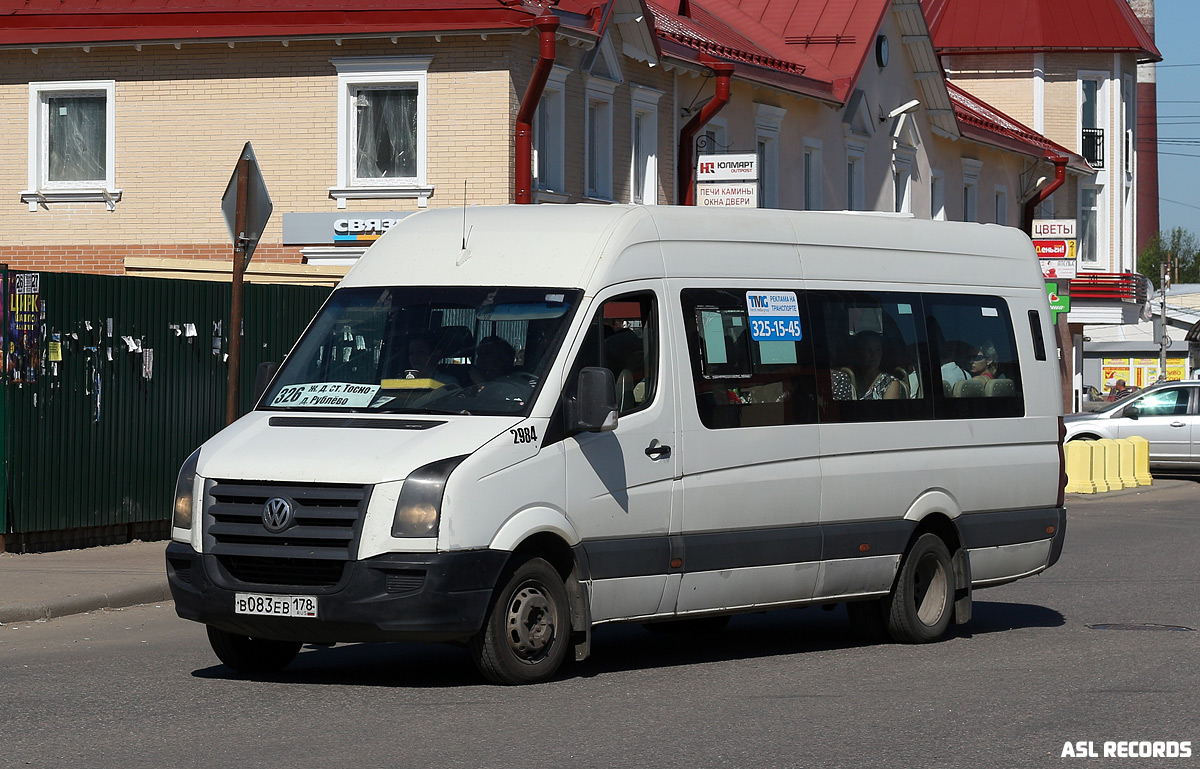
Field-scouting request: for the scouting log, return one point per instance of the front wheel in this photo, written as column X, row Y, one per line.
column 528, row 629
column 921, row 604
column 252, row 656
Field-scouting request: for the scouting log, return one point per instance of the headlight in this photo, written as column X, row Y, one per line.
column 182, row 518
column 420, row 503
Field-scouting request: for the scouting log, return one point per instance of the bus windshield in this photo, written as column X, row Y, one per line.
column 426, row 350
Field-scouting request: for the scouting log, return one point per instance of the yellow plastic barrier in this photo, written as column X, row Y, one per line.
column 1098, row 460
column 1125, row 452
column 1141, row 460
column 1112, row 464
column 1079, row 467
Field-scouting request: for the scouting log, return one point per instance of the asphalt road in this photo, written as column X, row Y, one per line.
column 140, row 688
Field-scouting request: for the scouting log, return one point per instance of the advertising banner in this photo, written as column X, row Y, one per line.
column 23, row 357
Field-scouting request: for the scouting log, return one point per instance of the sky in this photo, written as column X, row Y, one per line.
column 1176, row 24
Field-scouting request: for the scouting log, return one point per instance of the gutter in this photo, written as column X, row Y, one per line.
column 523, row 175
column 1060, row 177
column 686, row 171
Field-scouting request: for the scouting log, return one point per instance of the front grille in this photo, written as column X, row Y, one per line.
column 300, row 572
column 311, row 551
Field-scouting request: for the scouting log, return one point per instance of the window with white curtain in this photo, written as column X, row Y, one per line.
column 548, row 134
column 598, row 138
column 643, row 182
column 381, row 128
column 71, row 140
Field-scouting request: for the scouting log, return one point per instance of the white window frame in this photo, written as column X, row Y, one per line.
column 1103, row 116
column 1100, row 262
column 971, row 169
column 1001, row 204
column 598, row 182
column 644, row 147
column 856, row 175
column 41, row 190
column 768, row 120
column 813, row 175
column 357, row 72
column 549, row 144
column 937, row 196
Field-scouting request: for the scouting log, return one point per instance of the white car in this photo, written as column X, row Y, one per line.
column 1165, row 414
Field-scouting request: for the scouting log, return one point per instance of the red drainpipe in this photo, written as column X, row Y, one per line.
column 686, row 172
column 546, row 25
column 1060, row 177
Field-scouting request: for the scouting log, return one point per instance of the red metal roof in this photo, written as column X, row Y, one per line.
column 50, row 22
column 986, row 124
column 963, row 26
column 826, row 40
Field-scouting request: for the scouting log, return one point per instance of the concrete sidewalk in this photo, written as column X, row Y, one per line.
column 44, row 585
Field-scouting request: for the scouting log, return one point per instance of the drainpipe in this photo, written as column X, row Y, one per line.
column 546, row 25
column 1060, row 177
column 686, row 173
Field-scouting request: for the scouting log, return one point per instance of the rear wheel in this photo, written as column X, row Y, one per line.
column 528, row 629
column 921, row 604
column 252, row 656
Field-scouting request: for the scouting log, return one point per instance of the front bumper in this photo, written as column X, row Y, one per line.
column 392, row 597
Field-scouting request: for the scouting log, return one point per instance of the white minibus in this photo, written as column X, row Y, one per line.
column 511, row 424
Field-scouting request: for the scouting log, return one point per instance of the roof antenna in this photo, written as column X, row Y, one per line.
column 466, row 253
column 464, row 215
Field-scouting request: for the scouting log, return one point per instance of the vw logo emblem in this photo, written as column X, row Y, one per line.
column 277, row 514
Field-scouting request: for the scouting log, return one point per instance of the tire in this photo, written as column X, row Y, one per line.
column 868, row 619
column 527, row 632
column 252, row 656
column 700, row 626
column 921, row 604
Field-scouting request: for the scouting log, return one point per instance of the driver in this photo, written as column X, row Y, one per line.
column 493, row 359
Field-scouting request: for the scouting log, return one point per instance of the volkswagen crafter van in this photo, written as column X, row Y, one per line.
column 505, row 429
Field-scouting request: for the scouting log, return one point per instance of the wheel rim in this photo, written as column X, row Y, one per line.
column 930, row 588
column 530, row 622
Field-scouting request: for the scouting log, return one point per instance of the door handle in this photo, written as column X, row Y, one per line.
column 657, row 450
column 1179, row 424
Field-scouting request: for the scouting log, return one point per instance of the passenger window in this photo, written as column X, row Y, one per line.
column 976, row 356
column 751, row 366
column 871, row 356
column 623, row 337
column 1163, row 403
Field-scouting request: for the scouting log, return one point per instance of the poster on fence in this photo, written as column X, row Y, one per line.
column 23, row 357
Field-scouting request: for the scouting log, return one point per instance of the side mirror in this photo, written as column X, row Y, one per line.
column 262, row 378
column 1130, row 411
column 593, row 408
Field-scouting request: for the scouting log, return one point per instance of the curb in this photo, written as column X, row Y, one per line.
column 79, row 604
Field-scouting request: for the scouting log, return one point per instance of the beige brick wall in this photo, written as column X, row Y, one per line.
column 1004, row 81
column 183, row 115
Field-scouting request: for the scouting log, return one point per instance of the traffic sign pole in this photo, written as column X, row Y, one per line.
column 236, row 292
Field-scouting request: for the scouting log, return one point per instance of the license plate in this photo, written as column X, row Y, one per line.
column 275, row 605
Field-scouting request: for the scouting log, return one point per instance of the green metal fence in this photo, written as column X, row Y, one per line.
column 137, row 382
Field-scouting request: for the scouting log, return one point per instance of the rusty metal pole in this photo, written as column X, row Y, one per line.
column 235, row 299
